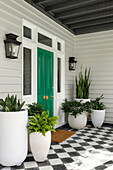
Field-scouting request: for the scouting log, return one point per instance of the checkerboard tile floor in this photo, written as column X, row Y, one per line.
column 88, row 149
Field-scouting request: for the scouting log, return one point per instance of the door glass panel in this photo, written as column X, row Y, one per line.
column 59, row 75
column 26, row 71
column 44, row 40
column 27, row 32
column 58, row 46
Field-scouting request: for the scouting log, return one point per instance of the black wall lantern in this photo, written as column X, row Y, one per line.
column 72, row 63
column 12, row 46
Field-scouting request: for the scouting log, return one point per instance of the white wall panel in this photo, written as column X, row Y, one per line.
column 11, row 14
column 95, row 50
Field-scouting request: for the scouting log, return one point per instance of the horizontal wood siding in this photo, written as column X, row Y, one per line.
column 95, row 50
column 11, row 14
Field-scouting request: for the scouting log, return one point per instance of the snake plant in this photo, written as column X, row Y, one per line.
column 82, row 84
column 11, row 104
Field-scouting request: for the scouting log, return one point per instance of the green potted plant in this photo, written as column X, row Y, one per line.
column 40, row 127
column 77, row 117
column 13, row 131
column 98, row 112
column 34, row 108
column 83, row 83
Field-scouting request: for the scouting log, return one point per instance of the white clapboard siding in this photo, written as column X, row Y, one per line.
column 7, row 88
column 10, row 80
column 3, row 95
column 95, row 50
column 11, row 14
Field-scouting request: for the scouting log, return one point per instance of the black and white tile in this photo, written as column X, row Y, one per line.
column 88, row 149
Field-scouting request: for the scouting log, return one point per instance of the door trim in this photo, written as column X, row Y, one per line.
column 35, row 44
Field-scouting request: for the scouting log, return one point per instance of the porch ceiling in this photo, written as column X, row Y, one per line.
column 78, row 16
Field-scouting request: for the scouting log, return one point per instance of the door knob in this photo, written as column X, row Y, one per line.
column 51, row 96
column 44, row 97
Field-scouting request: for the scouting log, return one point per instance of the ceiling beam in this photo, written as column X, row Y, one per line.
column 85, row 10
column 91, row 22
column 67, row 4
column 93, row 29
column 40, row 1
column 88, row 17
column 49, row 15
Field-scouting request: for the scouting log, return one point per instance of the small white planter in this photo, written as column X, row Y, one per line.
column 29, row 148
column 13, row 137
column 79, row 122
column 97, row 117
column 40, row 145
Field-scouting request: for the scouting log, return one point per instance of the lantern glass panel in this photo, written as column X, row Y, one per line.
column 72, row 66
column 12, row 50
column 8, row 50
column 15, row 50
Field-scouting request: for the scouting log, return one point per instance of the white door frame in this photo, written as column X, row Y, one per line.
column 34, row 44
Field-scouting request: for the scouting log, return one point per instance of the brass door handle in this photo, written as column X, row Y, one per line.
column 51, row 96
column 44, row 97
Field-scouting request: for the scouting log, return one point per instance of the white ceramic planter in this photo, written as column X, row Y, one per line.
column 40, row 145
column 29, row 148
column 79, row 122
column 13, row 137
column 97, row 117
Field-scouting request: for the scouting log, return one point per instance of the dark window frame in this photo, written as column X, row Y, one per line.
column 27, row 36
column 59, row 46
column 42, row 38
column 59, row 72
column 26, row 93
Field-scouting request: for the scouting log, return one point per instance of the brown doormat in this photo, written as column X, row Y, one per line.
column 61, row 135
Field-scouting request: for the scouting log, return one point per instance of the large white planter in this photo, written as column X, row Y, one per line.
column 13, row 137
column 97, row 117
column 79, row 122
column 40, row 145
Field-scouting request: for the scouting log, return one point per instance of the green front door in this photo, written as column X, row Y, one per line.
column 45, row 79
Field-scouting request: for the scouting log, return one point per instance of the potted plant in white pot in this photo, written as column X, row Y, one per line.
column 98, row 112
column 83, row 83
column 13, row 132
column 77, row 117
column 33, row 108
column 40, row 127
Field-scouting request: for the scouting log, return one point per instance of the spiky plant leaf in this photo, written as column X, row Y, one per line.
column 83, row 84
column 11, row 104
